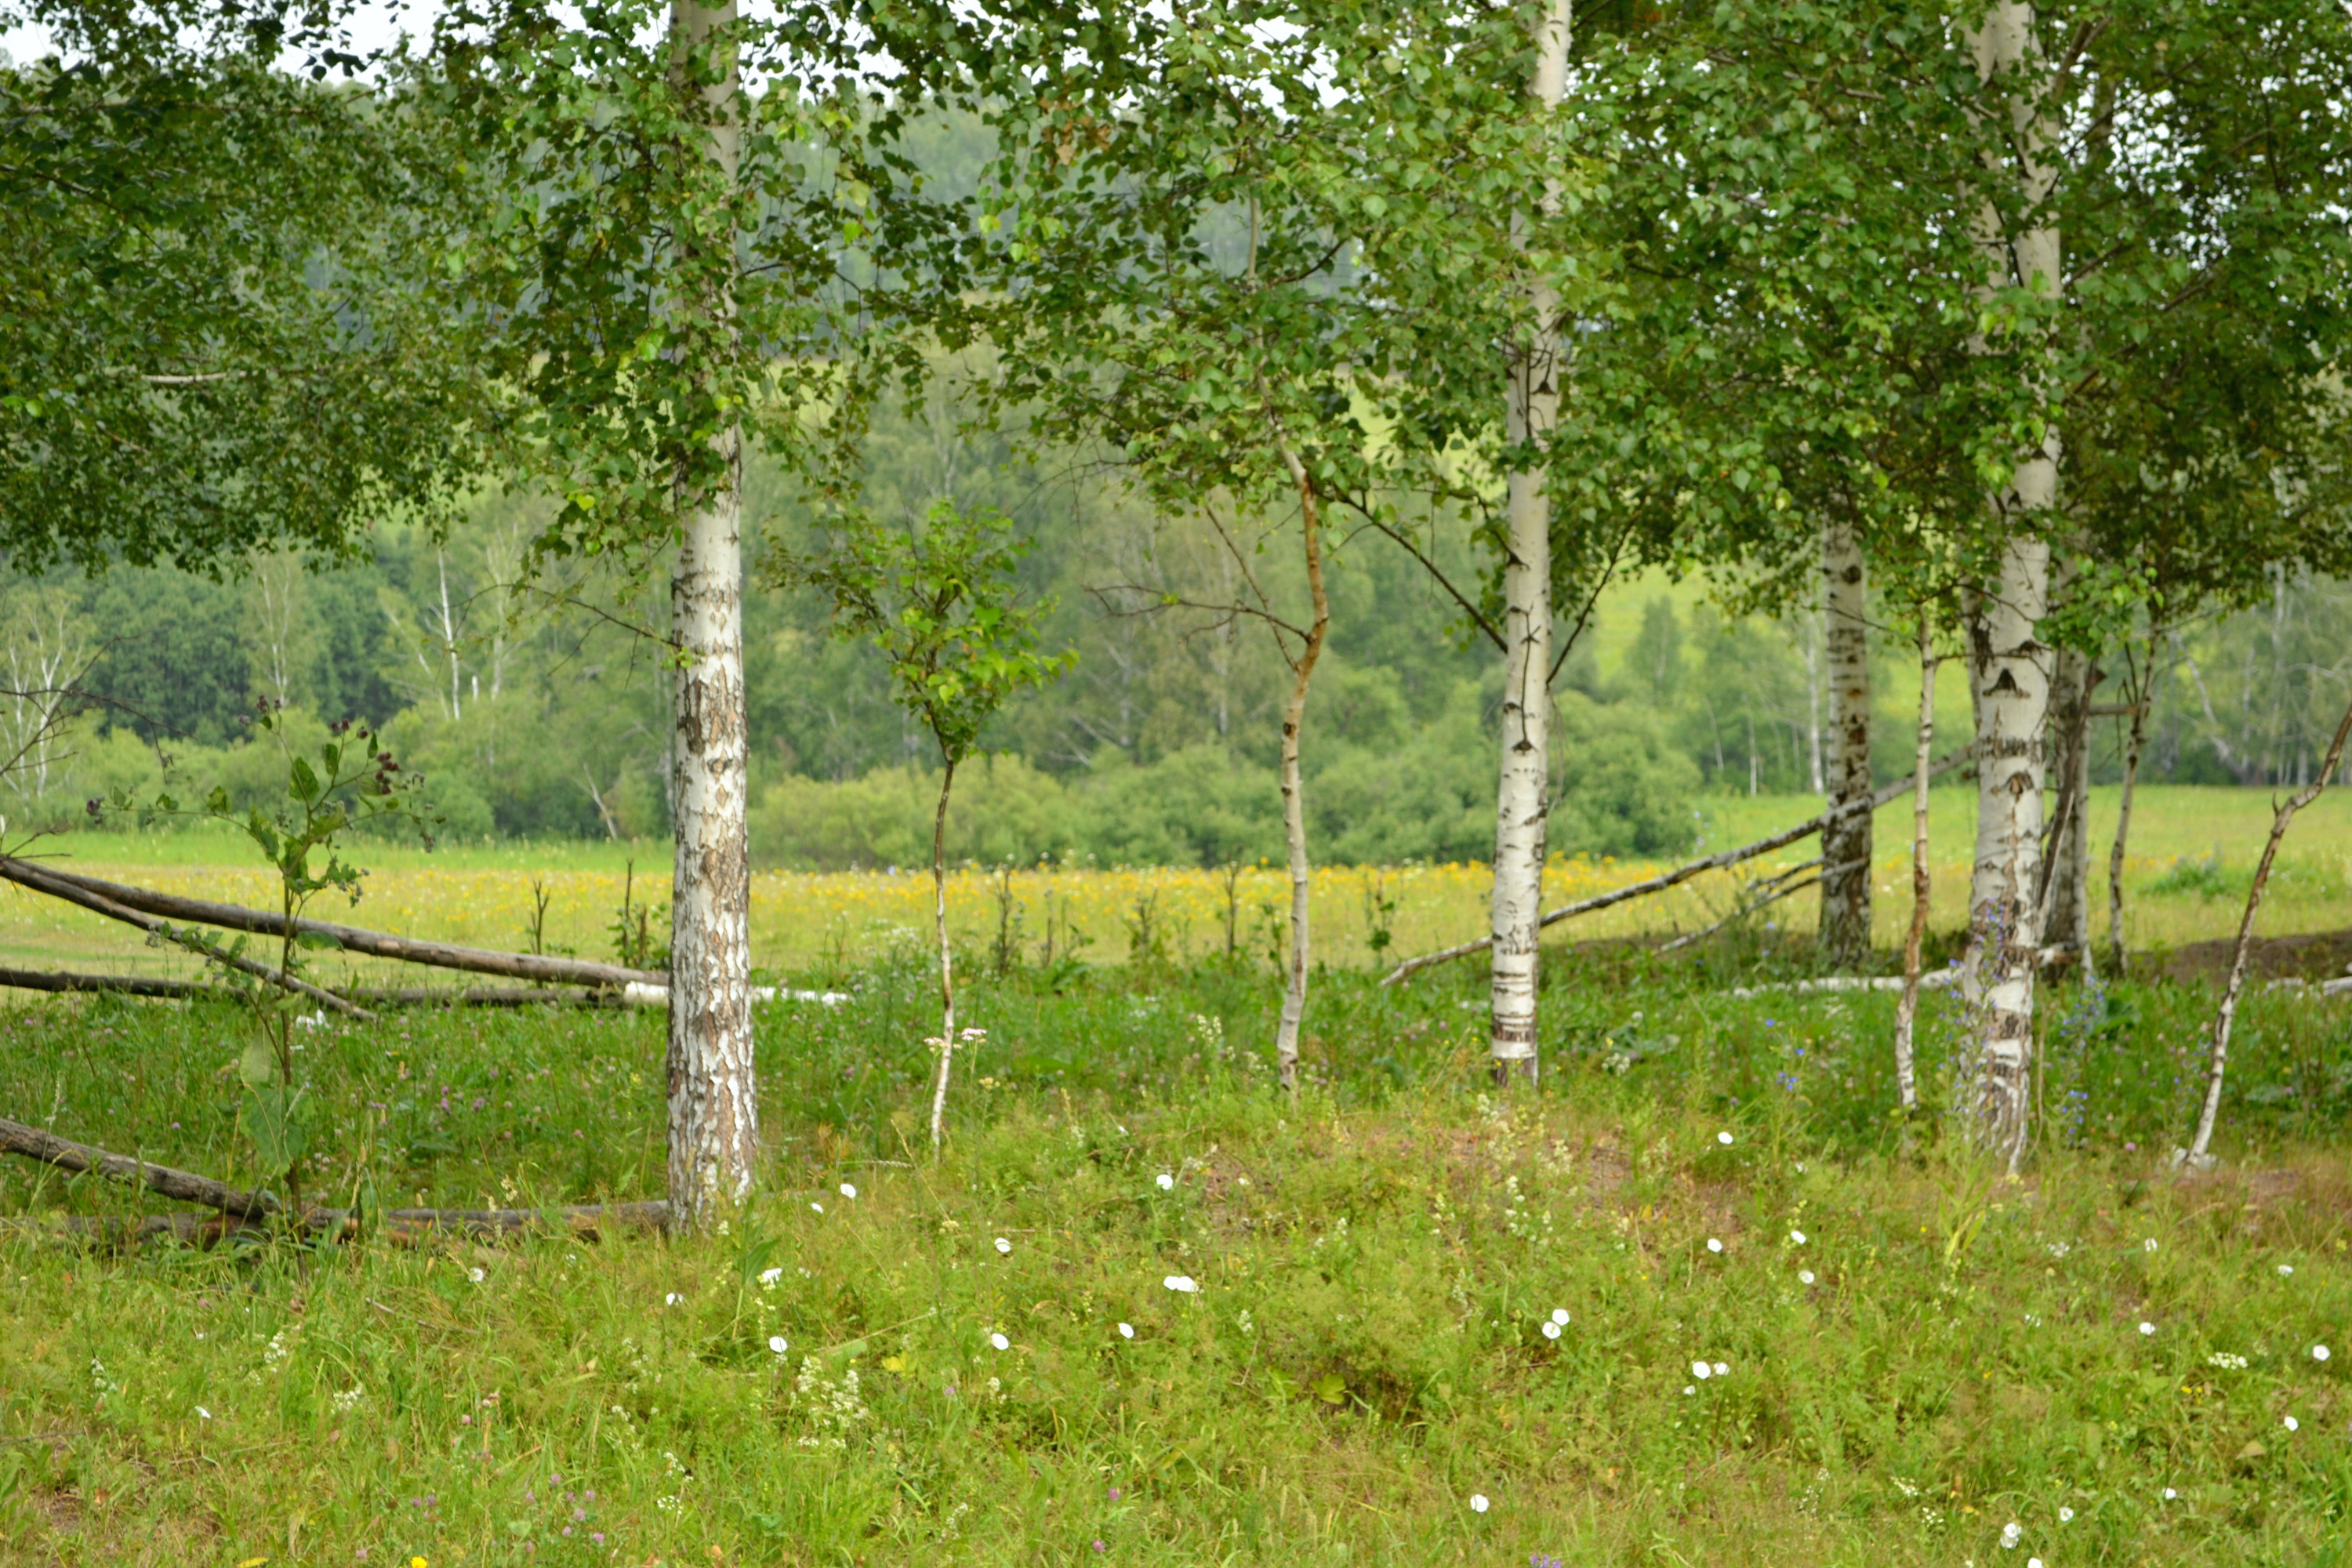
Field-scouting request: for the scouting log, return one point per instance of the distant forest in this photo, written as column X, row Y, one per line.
column 536, row 711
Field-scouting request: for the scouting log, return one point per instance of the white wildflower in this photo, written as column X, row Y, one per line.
column 2011, row 1534
column 1551, row 1329
column 1183, row 1284
column 2149, row 1246
column 847, row 1191
column 673, row 1300
column 815, row 1206
column 1713, row 1244
column 1701, row 1370
column 203, row 1413
column 1126, row 1331
column 2147, row 1328
column 2286, row 1270
column 1559, row 1316
column 1000, row 1341
column 2065, row 1516
column 475, row 1275
column 1724, row 1139
column 1004, row 1246
column 1798, row 1236
column 776, row 1343
column 1804, row 1275
column 2292, row 1425
column 1477, row 1503
column 1167, row 1181
column 2319, row 1353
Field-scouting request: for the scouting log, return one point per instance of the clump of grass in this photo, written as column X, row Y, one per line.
column 1365, row 1351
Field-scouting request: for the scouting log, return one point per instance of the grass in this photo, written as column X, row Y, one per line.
column 1364, row 1353
column 484, row 894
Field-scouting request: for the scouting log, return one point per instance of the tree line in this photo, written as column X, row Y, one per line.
column 2009, row 334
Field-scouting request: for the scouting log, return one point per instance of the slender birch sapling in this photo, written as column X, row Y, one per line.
column 2198, row 1153
column 1906, row 1010
column 941, row 605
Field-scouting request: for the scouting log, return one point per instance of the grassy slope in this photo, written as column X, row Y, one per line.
column 1364, row 1355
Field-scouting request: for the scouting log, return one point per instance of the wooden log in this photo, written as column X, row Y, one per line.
column 479, row 996
column 401, row 1228
column 34, row 1143
column 23, row 873
column 356, row 939
column 60, row 981
column 1684, row 873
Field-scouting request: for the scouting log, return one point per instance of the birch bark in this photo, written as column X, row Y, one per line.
column 2009, row 666
column 713, row 1109
column 2066, row 898
column 2133, row 745
column 1844, row 938
column 1906, row 1010
column 1293, row 799
column 1522, row 800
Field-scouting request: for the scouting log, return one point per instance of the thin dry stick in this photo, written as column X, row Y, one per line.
column 2140, row 700
column 1680, row 874
column 61, row 981
column 2229, row 1010
column 1906, row 1011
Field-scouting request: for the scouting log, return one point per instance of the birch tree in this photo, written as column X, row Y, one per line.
column 940, row 604
column 1846, row 844
column 1533, row 370
column 653, row 244
column 1224, row 270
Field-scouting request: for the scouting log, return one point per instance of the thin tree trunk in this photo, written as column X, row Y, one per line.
column 947, row 958
column 2228, row 1013
column 1293, row 800
column 2066, row 864
column 1845, row 936
column 2009, row 666
column 713, row 1103
column 2133, row 746
column 1522, row 800
column 1906, row 1011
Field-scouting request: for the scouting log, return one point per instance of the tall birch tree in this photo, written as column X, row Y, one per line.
column 1533, row 370
column 653, row 245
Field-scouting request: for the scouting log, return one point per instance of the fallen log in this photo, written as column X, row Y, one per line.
column 401, row 1228
column 34, row 1143
column 401, row 1225
column 41, row 880
column 1684, row 873
column 50, row 879
column 59, row 979
column 479, row 996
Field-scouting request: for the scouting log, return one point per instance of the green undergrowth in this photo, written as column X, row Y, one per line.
column 1914, row 1356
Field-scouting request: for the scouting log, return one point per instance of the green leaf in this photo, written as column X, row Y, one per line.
column 258, row 1066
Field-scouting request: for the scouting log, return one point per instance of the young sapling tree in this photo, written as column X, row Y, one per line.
column 942, row 605
column 351, row 782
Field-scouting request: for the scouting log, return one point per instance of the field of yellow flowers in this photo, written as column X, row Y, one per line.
column 2194, row 848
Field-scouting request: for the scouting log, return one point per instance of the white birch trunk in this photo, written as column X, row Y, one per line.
column 1844, row 938
column 2066, row 899
column 1906, row 1010
column 2009, row 666
column 1294, row 798
column 1523, row 796
column 947, row 960
column 713, row 1106
column 2011, row 674
column 2141, row 696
